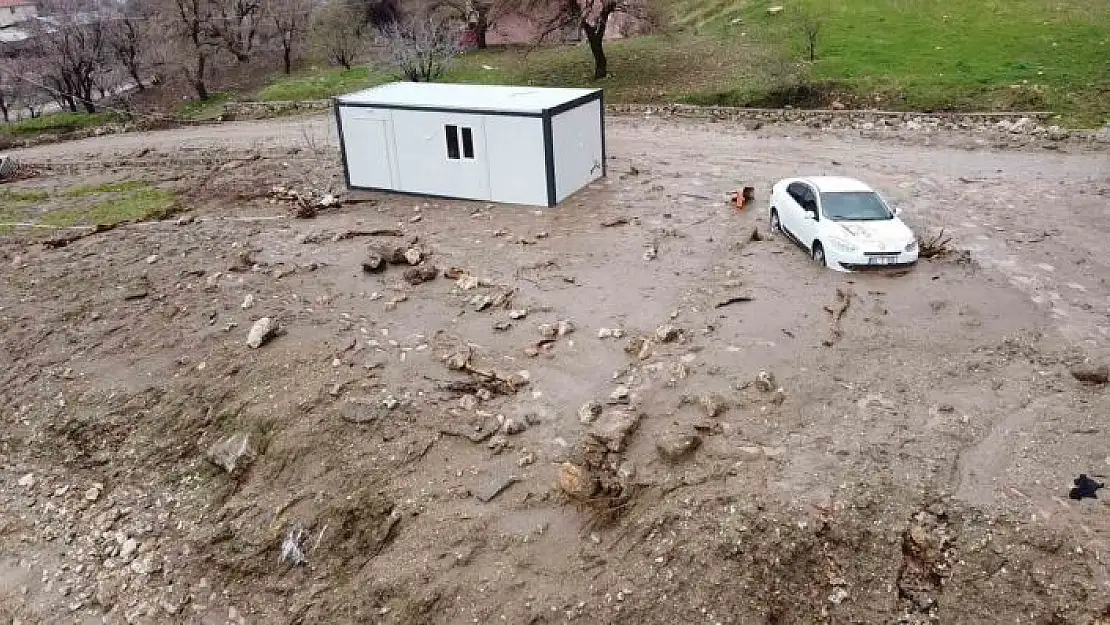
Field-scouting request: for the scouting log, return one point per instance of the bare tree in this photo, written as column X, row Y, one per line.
column 589, row 16
column 290, row 21
column 339, row 32
column 125, row 36
column 192, row 20
column 7, row 92
column 72, row 51
column 479, row 15
column 421, row 48
column 235, row 24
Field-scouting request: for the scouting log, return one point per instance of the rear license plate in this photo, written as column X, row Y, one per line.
column 882, row 260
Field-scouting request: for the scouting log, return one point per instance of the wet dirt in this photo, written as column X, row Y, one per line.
column 915, row 469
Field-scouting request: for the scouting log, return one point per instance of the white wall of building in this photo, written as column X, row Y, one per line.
column 576, row 136
column 516, row 160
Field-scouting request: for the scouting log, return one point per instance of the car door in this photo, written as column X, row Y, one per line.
column 809, row 217
column 791, row 213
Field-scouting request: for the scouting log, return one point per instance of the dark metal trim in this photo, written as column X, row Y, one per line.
column 604, row 154
column 577, row 102
column 342, row 145
column 442, row 109
column 549, row 159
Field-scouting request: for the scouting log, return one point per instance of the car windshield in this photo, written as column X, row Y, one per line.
column 854, row 206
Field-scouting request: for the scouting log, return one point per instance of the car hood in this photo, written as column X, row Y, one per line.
column 891, row 231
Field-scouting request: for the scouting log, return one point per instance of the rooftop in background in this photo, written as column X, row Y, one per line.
column 6, row 4
column 466, row 97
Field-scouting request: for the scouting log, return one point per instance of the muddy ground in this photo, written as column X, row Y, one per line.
column 860, row 448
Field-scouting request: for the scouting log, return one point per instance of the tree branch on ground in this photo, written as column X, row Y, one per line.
column 421, row 48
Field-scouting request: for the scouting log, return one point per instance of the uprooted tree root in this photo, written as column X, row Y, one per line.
column 598, row 482
column 935, row 246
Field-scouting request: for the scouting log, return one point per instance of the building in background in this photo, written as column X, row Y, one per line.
column 16, row 12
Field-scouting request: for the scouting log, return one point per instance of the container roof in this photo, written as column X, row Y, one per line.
column 498, row 98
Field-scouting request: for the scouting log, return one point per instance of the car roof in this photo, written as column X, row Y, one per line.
column 834, row 184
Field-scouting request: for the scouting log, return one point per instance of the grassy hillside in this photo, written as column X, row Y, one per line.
column 899, row 54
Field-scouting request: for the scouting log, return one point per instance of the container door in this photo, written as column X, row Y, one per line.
column 366, row 138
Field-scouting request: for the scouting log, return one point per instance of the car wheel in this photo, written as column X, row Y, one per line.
column 819, row 254
column 776, row 226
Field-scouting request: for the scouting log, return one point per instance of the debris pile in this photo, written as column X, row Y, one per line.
column 305, row 203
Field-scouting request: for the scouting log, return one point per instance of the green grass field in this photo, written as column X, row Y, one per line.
column 930, row 55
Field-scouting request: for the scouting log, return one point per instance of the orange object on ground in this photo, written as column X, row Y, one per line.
column 741, row 199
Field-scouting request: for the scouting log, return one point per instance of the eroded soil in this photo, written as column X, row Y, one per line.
column 907, row 463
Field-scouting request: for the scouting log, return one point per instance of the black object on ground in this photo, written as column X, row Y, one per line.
column 1084, row 487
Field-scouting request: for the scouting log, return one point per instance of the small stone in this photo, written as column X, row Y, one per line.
column 626, row 472
column 518, row 314
column 714, row 404
column 565, row 327
column 1089, row 373
column 391, row 303
column 248, row 302
column 548, row 331
column 233, row 453
column 765, row 382
column 413, row 256
column 128, row 549
column 748, row 453
column 674, row 447
column 262, row 330
column 589, row 412
column 93, row 493
column 610, row 333
column 27, row 481
column 526, row 458
column 651, row 253
column 420, row 274
column 614, row 427
column 667, row 334
column 946, row 408
column 838, row 596
column 153, row 258
column 513, row 426
column 374, row 261
column 619, row 394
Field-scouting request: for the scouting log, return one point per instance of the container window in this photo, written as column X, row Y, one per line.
column 468, row 143
column 453, row 142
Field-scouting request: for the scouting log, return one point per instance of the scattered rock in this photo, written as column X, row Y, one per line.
column 668, row 334
column 589, row 412
column 619, row 394
column 616, row 221
column 263, row 330
column 610, row 333
column 137, row 289
column 153, row 258
column 94, row 492
column 1090, row 373
column 713, row 404
column 232, row 453
column 413, row 256
column 576, row 481
column 495, row 487
column 527, row 458
column 748, row 452
column 248, row 302
column 548, row 331
column 765, row 382
column 518, row 314
column 565, row 327
column 391, row 303
column 639, row 347
column 614, row 427
column 420, row 274
column 27, row 481
column 374, row 262
column 652, row 252
column 502, row 326
column 511, row 427
column 459, row 359
column 128, row 549
column 674, row 447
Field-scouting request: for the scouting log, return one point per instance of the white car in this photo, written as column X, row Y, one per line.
column 842, row 222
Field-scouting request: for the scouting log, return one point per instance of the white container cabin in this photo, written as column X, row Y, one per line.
column 517, row 145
